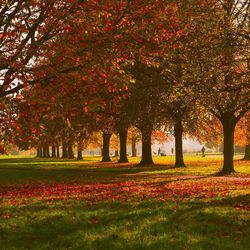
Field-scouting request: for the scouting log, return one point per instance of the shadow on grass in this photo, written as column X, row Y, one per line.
column 13, row 171
column 34, row 160
column 145, row 225
column 90, row 173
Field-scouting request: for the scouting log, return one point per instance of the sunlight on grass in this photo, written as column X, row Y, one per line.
column 91, row 169
column 69, row 204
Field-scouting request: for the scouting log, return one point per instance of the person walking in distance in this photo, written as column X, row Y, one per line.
column 172, row 151
column 203, row 151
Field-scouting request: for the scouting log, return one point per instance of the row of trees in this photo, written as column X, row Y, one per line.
column 155, row 65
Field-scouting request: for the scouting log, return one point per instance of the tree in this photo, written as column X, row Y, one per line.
column 209, row 130
column 25, row 28
column 158, row 73
column 133, row 137
column 105, row 147
column 221, row 66
column 123, row 145
column 143, row 106
column 121, row 126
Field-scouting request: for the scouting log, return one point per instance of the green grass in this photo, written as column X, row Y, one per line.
column 22, row 170
column 180, row 221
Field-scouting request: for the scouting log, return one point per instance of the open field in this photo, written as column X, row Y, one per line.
column 66, row 204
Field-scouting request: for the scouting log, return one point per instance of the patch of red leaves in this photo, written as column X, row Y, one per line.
column 6, row 216
column 243, row 206
column 163, row 189
column 209, row 187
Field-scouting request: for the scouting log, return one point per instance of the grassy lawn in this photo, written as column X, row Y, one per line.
column 67, row 204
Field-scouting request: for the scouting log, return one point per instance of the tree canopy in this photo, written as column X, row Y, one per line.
column 69, row 69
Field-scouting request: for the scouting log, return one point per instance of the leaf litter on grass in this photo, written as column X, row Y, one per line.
column 161, row 188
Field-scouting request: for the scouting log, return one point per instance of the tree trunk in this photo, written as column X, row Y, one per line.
column 133, row 146
column 53, row 154
column 146, row 157
column 70, row 150
column 57, row 151
column 47, row 152
column 123, row 145
column 64, row 150
column 247, row 152
column 79, row 151
column 116, row 153
column 178, row 131
column 105, row 150
column 44, row 152
column 38, row 152
column 228, row 122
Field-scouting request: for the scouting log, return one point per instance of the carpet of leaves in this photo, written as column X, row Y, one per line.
column 161, row 188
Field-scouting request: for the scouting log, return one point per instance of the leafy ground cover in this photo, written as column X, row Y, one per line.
column 58, row 204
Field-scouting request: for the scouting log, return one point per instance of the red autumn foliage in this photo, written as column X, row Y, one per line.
column 184, row 187
column 2, row 150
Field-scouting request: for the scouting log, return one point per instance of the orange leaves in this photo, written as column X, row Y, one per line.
column 19, row 97
column 242, row 131
column 160, row 136
column 2, row 150
column 102, row 74
column 175, row 188
column 108, row 26
column 4, row 36
column 209, row 130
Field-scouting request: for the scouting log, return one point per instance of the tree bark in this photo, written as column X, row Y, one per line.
column 44, row 152
column 247, row 152
column 79, row 151
column 146, row 157
column 105, row 150
column 178, row 131
column 64, row 150
column 228, row 122
column 70, row 150
column 57, row 151
column 133, row 146
column 123, row 145
column 38, row 152
column 53, row 153
column 47, row 152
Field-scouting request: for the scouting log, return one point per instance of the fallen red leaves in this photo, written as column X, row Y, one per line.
column 171, row 188
column 6, row 216
column 242, row 206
